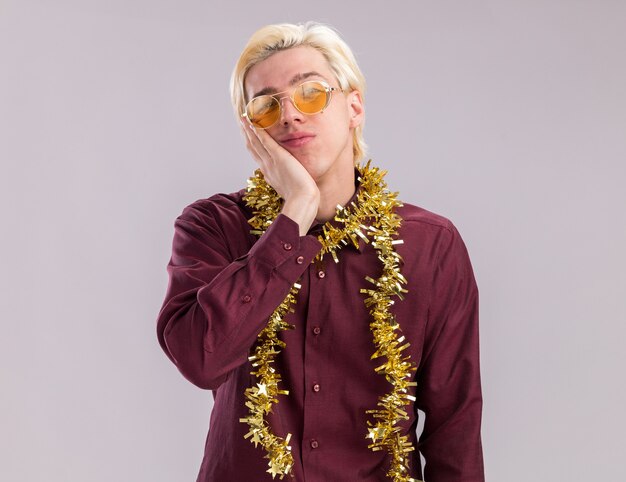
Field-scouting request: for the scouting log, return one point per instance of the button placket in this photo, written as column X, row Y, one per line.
column 315, row 399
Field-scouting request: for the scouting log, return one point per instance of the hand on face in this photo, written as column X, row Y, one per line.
column 286, row 175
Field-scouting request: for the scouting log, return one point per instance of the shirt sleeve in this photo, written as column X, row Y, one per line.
column 449, row 387
column 215, row 306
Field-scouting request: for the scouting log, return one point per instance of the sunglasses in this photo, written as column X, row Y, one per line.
column 310, row 97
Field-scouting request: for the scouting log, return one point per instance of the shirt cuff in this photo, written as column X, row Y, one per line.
column 282, row 242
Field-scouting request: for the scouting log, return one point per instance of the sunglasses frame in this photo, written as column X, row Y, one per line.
column 290, row 93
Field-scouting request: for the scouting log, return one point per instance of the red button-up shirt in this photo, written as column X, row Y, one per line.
column 225, row 282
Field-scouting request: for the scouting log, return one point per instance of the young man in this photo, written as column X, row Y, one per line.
column 322, row 330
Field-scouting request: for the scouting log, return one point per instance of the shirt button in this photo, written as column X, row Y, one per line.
column 287, row 246
column 246, row 299
column 317, row 330
column 316, row 387
column 300, row 259
column 321, row 274
column 314, row 443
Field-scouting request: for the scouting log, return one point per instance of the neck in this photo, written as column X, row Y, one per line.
column 335, row 189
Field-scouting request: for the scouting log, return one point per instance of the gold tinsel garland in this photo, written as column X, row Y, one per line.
column 372, row 216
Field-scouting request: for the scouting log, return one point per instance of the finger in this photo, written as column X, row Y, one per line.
column 269, row 144
column 253, row 136
column 253, row 144
column 249, row 145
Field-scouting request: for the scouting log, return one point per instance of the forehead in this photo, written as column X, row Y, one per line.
column 277, row 71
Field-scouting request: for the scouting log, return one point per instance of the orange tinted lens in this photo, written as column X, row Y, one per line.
column 311, row 97
column 263, row 111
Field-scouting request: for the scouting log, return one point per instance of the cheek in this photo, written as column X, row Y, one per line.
column 340, row 125
column 338, row 118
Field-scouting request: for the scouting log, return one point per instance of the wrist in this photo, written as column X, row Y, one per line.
column 302, row 210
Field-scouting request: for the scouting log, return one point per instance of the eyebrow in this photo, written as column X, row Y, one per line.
column 294, row 80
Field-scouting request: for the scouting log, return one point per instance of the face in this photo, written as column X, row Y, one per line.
column 322, row 142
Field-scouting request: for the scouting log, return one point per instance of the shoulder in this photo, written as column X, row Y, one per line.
column 219, row 221
column 224, row 214
column 416, row 218
column 431, row 233
column 217, row 208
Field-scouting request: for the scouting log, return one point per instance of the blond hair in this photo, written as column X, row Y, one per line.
column 274, row 38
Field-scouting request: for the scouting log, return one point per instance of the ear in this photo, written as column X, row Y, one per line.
column 356, row 108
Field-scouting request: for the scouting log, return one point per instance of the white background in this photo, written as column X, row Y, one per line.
column 508, row 117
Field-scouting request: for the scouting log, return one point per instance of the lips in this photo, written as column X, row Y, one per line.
column 297, row 139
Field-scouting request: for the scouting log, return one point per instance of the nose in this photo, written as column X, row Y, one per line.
column 288, row 111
